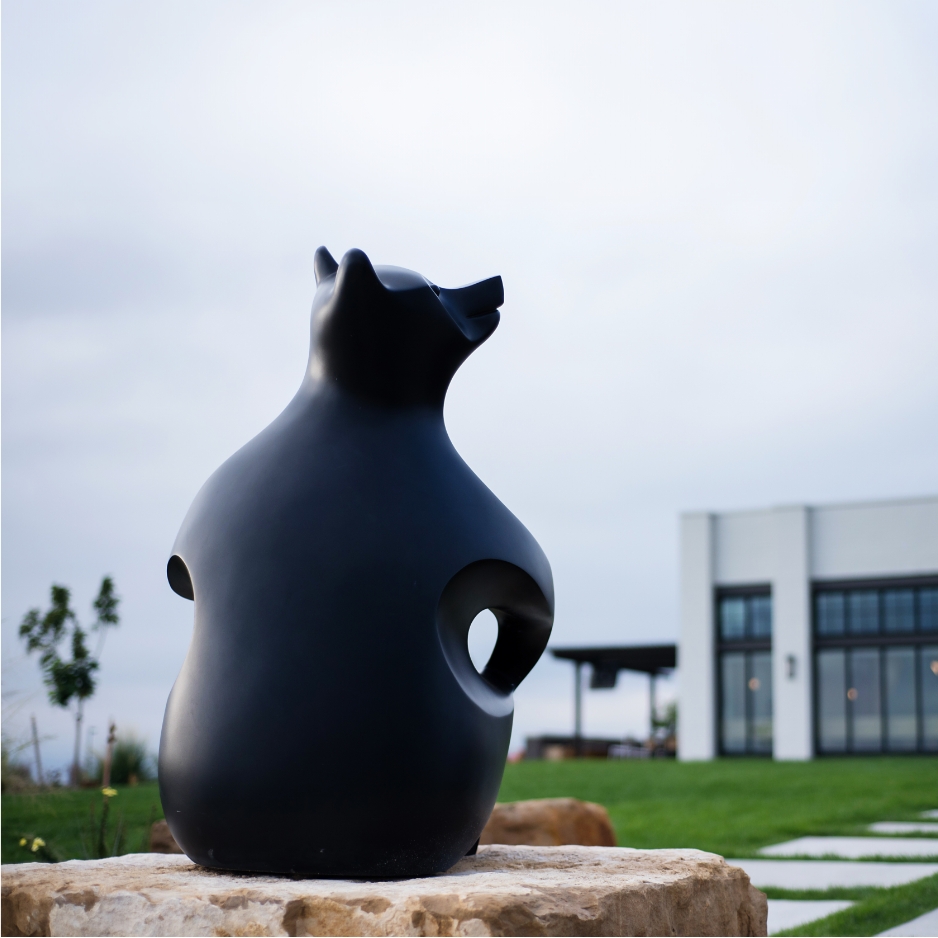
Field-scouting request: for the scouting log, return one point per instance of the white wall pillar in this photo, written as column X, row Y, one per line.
column 793, row 737
column 696, row 733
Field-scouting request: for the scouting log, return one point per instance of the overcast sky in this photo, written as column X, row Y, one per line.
column 715, row 222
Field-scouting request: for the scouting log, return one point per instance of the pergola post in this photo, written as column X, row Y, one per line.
column 578, row 708
column 652, row 676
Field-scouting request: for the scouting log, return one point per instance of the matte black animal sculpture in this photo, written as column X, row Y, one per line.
column 328, row 719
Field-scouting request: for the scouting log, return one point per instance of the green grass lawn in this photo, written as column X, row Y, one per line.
column 876, row 910
column 730, row 806
column 735, row 806
column 62, row 818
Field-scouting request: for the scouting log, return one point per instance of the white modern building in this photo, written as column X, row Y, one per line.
column 809, row 630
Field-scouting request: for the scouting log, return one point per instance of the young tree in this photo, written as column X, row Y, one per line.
column 74, row 678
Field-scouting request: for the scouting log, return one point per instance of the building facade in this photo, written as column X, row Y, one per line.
column 809, row 630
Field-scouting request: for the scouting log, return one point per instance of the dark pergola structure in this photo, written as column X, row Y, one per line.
column 606, row 663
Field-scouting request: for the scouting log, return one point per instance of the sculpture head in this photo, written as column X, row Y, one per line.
column 391, row 335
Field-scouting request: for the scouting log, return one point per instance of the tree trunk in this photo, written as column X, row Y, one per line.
column 76, row 766
column 39, row 778
column 108, row 757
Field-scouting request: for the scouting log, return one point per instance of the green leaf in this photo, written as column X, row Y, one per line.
column 106, row 604
column 74, row 679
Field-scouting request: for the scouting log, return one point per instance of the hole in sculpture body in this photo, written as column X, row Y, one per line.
column 482, row 636
column 524, row 617
column 179, row 579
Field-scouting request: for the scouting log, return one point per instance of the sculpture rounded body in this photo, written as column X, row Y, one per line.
column 327, row 719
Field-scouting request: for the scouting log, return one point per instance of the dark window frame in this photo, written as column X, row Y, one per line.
column 746, row 646
column 743, row 592
column 916, row 640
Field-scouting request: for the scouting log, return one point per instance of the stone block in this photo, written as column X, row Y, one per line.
column 550, row 822
column 503, row 890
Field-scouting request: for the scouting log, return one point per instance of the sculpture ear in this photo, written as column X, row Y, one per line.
column 324, row 264
column 356, row 280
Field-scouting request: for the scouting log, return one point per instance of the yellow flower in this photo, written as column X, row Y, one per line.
column 37, row 843
column 109, row 792
column 22, row 841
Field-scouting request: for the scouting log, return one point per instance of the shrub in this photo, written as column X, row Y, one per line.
column 131, row 761
column 14, row 775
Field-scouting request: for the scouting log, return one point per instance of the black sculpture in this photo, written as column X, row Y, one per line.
column 328, row 720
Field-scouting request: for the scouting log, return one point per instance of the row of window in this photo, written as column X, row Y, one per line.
column 876, row 611
column 871, row 694
column 888, row 611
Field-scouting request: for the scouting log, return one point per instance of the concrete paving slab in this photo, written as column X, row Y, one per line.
column 932, row 813
column 826, row 874
column 925, row 926
column 904, row 827
column 790, row 913
column 854, row 848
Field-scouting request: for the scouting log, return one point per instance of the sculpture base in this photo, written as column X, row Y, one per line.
column 500, row 891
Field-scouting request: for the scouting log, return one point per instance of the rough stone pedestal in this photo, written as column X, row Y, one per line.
column 500, row 891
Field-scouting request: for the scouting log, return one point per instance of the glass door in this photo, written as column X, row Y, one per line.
column 744, row 628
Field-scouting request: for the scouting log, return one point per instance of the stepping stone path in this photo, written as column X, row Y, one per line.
column 854, row 848
column 790, row 913
column 827, row 874
column 904, row 827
